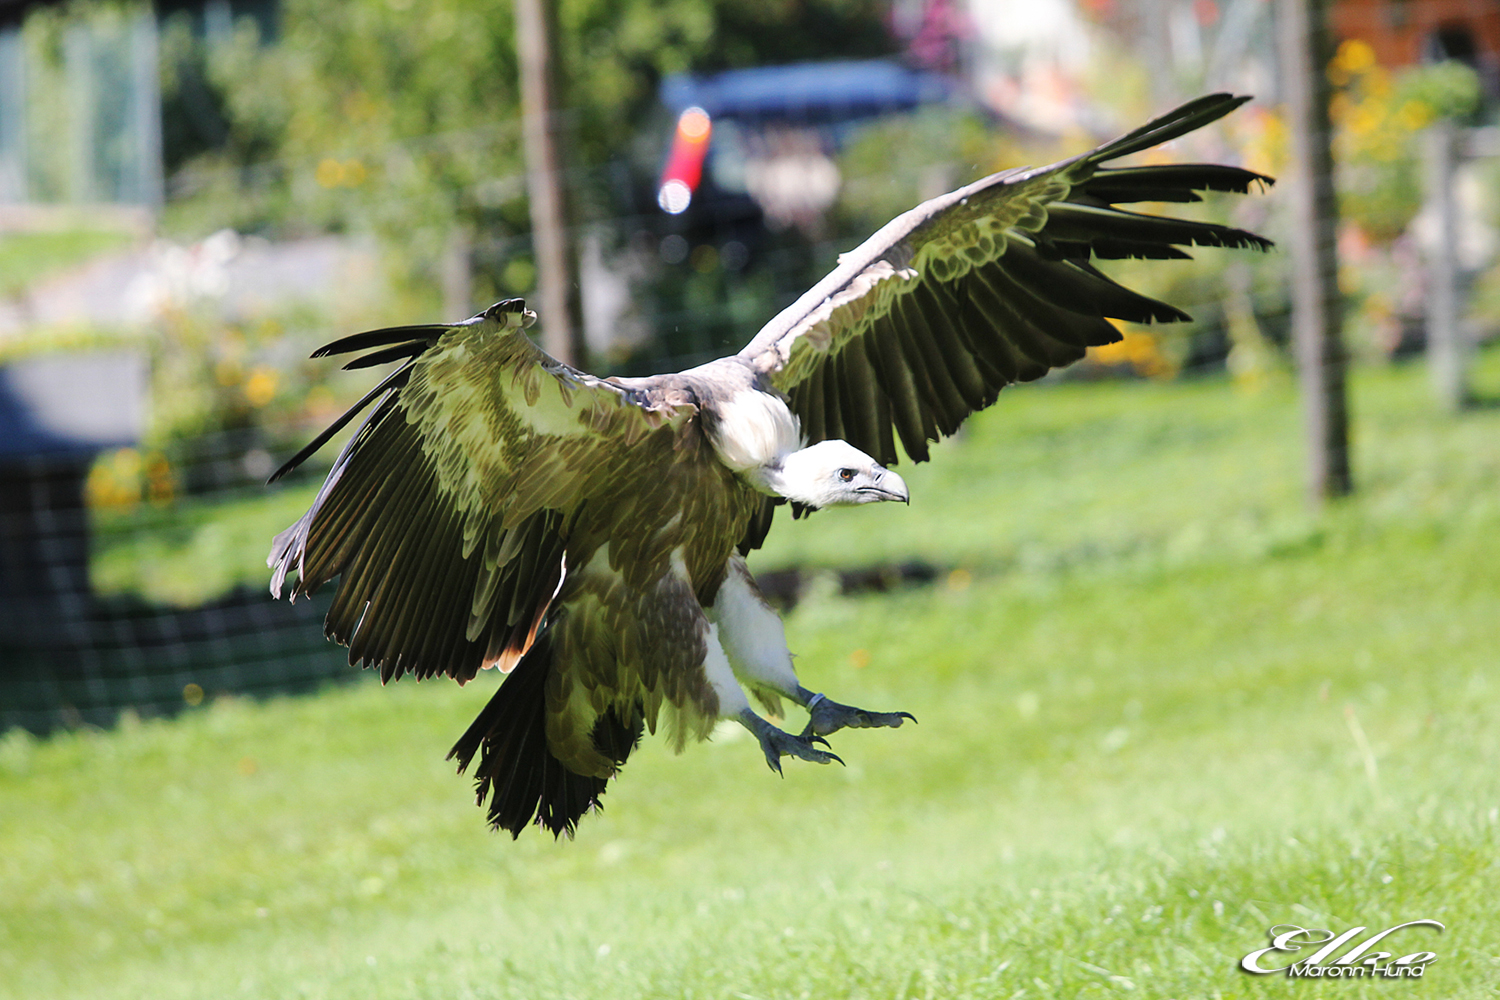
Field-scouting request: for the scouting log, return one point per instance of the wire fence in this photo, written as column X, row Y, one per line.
column 73, row 653
column 85, row 665
column 81, row 641
column 84, row 632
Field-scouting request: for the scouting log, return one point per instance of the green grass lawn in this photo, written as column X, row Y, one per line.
column 1162, row 707
column 26, row 258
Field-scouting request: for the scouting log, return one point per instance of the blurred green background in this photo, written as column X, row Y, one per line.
column 1164, row 704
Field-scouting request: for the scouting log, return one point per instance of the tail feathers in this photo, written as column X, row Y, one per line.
column 517, row 772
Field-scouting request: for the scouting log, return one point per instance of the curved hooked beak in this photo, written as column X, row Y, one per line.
column 887, row 486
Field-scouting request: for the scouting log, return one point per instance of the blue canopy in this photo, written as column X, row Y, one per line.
column 817, row 92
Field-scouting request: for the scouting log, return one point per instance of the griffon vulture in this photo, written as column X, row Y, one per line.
column 587, row 536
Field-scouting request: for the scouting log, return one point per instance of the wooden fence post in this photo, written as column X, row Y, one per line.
column 1447, row 350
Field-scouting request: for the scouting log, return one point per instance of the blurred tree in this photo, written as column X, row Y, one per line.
column 377, row 117
column 402, row 120
column 536, row 41
column 1317, row 307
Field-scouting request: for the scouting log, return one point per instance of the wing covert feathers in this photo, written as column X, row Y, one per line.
column 991, row 284
column 446, row 514
column 491, row 490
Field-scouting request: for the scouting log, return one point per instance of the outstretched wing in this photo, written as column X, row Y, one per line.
column 994, row 283
column 447, row 511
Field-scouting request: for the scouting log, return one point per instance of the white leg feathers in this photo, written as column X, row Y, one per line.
column 748, row 641
column 754, row 639
column 720, row 674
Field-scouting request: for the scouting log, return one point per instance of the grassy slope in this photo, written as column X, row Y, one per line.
column 195, row 550
column 1163, row 711
column 26, row 258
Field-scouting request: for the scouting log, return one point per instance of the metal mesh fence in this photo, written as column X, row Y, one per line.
column 72, row 653
column 65, row 670
column 78, row 648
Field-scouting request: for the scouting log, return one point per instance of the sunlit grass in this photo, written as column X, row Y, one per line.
column 195, row 550
column 26, row 258
column 1162, row 709
column 1048, row 478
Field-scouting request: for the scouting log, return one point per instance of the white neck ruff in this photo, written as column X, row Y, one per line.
column 755, row 430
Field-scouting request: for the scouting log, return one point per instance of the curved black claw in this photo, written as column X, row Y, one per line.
column 827, row 716
column 776, row 743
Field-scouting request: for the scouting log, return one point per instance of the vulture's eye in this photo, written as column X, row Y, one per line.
column 846, row 474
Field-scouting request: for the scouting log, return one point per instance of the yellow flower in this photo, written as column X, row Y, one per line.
column 114, row 480
column 1364, row 120
column 1138, row 349
column 330, row 173
column 1354, row 56
column 1415, row 115
column 260, row 387
column 159, row 485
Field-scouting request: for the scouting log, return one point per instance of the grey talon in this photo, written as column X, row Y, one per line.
column 776, row 743
column 825, row 716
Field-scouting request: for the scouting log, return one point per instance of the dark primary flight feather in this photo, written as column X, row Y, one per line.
column 499, row 508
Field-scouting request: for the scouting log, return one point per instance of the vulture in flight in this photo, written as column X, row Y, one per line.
column 587, row 536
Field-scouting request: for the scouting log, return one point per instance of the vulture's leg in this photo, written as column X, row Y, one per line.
column 774, row 743
column 777, row 743
column 826, row 716
column 755, row 642
column 754, row 638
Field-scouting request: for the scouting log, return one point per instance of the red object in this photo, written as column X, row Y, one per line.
column 684, row 169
